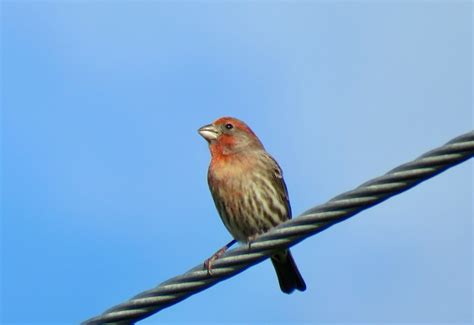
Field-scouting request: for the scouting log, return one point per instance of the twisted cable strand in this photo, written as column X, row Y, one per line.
column 291, row 232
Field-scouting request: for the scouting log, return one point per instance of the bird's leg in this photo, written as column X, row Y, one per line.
column 216, row 255
column 250, row 240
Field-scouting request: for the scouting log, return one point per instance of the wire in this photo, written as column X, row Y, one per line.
column 291, row 232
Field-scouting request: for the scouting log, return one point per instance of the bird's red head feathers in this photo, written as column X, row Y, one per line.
column 228, row 135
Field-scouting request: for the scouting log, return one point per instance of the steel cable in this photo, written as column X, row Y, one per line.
column 291, row 232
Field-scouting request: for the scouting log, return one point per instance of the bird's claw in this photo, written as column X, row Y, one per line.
column 208, row 263
column 251, row 240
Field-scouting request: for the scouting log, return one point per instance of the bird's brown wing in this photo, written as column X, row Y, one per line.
column 279, row 183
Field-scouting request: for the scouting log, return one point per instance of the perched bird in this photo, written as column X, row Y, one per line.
column 249, row 191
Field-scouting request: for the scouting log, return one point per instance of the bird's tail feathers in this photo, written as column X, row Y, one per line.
column 288, row 275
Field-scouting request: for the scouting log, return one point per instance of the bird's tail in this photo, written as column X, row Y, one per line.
column 288, row 275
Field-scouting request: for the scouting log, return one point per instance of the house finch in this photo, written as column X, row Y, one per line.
column 249, row 191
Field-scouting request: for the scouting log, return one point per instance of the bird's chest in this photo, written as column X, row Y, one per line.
column 229, row 178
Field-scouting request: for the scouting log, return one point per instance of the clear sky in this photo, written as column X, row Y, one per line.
column 104, row 190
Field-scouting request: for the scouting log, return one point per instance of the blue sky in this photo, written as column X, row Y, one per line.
column 104, row 190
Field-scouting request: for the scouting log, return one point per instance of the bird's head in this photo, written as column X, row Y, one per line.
column 228, row 135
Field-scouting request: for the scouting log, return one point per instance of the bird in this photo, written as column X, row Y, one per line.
column 249, row 192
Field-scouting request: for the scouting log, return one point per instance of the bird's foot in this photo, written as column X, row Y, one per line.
column 216, row 255
column 251, row 239
column 210, row 260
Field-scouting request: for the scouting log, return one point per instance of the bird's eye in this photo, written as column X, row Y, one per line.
column 229, row 126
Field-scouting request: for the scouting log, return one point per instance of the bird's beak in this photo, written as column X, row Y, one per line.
column 209, row 132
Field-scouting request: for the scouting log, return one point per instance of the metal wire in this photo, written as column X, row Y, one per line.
column 291, row 232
